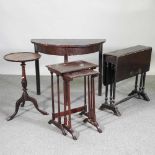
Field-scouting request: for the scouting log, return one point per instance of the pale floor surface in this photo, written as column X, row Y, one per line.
column 29, row 133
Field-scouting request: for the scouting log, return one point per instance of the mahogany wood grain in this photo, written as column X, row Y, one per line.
column 68, row 47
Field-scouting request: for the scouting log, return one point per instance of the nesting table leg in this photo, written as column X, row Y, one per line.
column 68, row 125
column 85, row 98
column 53, row 121
column 91, row 105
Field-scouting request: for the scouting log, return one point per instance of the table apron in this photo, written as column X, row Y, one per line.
column 55, row 50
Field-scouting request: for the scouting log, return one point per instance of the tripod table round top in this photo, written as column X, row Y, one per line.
column 22, row 56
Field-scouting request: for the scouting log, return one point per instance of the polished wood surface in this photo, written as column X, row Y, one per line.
column 67, row 67
column 68, row 42
column 72, row 75
column 68, row 47
column 128, row 51
column 123, row 64
column 22, row 56
column 129, row 61
column 68, row 71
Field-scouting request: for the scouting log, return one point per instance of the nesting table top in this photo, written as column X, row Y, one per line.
column 73, row 66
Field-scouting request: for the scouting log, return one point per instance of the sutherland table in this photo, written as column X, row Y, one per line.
column 23, row 57
column 123, row 64
column 68, row 47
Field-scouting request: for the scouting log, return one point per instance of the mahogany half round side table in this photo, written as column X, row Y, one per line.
column 23, row 57
column 68, row 47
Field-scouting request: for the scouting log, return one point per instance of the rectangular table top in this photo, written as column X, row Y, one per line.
column 127, row 51
column 72, row 75
column 73, row 66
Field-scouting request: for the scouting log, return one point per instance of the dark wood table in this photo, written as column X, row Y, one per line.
column 68, row 47
column 69, row 71
column 123, row 64
column 23, row 57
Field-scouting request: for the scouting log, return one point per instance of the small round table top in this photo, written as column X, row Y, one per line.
column 22, row 56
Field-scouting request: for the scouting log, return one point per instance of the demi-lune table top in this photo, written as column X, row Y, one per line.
column 68, row 42
column 67, row 46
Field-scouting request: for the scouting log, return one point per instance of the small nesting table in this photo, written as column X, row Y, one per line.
column 68, row 71
column 23, row 57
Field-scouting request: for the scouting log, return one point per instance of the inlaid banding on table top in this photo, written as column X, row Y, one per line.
column 22, row 56
column 62, row 68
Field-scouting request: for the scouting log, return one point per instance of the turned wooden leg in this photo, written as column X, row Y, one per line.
column 91, row 113
column 142, row 93
column 112, row 106
column 89, row 98
column 102, row 107
column 65, row 103
column 135, row 91
column 100, row 75
column 25, row 97
column 115, row 109
column 53, row 121
column 85, row 98
column 58, row 95
column 69, row 124
column 52, row 94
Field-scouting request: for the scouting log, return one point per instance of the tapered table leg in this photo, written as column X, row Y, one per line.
column 100, row 75
column 37, row 76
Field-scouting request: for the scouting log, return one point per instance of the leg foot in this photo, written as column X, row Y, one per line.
column 58, row 125
column 93, row 123
column 22, row 105
column 36, row 105
column 83, row 113
column 144, row 96
column 102, row 107
column 110, row 107
column 133, row 92
column 16, row 109
column 72, row 132
column 140, row 94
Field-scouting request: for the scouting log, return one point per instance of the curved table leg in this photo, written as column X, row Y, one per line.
column 22, row 105
column 16, row 108
column 29, row 98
